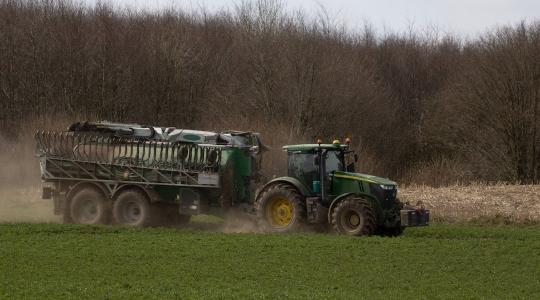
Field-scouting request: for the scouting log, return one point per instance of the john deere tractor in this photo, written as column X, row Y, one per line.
column 322, row 187
column 138, row 175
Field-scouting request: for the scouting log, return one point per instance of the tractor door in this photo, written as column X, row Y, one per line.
column 334, row 162
column 301, row 165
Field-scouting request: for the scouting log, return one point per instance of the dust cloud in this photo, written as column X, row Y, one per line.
column 20, row 193
column 240, row 223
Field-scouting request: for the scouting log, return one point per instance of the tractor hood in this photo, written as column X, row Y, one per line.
column 364, row 177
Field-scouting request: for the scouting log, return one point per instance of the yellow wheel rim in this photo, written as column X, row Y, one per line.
column 280, row 211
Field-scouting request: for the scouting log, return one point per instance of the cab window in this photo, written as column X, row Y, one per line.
column 334, row 162
column 302, row 167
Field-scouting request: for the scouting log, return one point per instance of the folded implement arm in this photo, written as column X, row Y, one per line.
column 106, row 157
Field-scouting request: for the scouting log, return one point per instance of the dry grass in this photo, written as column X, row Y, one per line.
column 511, row 203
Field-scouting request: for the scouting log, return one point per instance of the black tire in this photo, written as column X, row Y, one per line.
column 287, row 215
column 132, row 208
column 354, row 216
column 88, row 206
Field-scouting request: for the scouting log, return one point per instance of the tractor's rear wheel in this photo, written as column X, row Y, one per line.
column 89, row 206
column 354, row 216
column 132, row 208
column 281, row 208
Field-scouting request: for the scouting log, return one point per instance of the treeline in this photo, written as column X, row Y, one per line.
column 421, row 107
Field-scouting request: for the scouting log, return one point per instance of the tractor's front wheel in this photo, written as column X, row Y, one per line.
column 354, row 216
column 281, row 208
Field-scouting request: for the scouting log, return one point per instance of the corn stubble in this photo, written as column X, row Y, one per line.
column 478, row 201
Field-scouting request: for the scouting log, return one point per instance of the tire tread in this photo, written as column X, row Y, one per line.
column 363, row 205
column 290, row 193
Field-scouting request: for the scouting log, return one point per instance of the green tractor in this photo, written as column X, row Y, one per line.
column 137, row 175
column 322, row 187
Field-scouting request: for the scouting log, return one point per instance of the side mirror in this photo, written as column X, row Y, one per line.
column 355, row 158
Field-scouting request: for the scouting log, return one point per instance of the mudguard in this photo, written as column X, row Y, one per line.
column 289, row 180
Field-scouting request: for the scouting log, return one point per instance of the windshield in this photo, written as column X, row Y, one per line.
column 334, row 162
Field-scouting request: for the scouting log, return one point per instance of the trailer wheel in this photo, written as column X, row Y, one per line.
column 281, row 208
column 354, row 216
column 132, row 208
column 88, row 206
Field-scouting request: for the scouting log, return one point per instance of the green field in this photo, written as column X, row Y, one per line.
column 441, row 261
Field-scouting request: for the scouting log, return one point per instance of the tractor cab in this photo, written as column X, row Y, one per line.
column 311, row 163
column 315, row 164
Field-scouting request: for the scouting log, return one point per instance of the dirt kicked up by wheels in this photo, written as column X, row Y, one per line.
column 136, row 175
